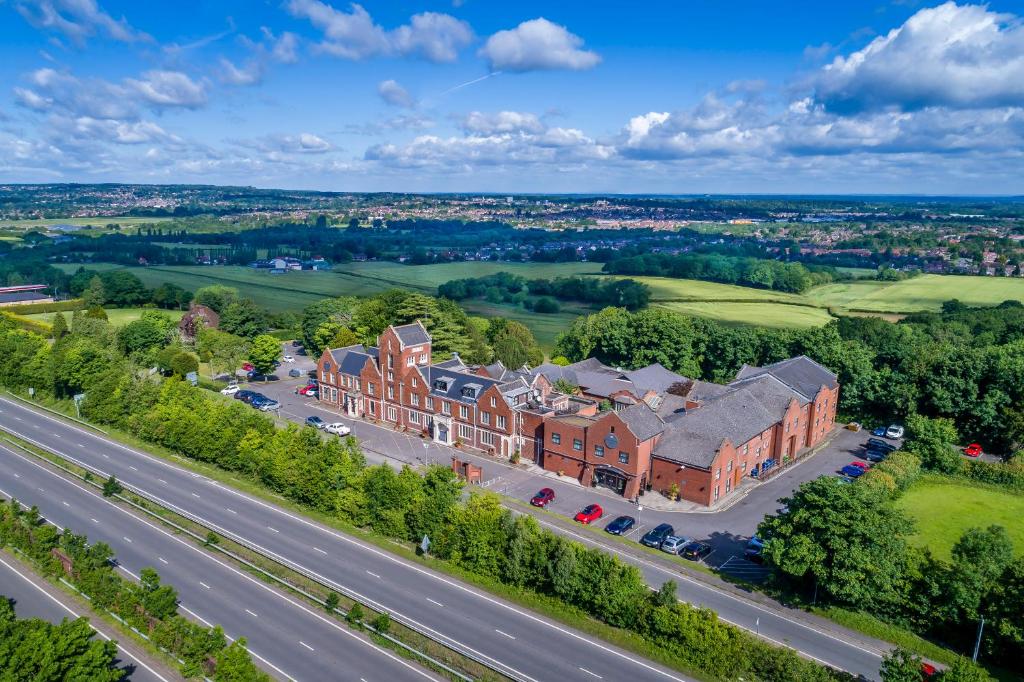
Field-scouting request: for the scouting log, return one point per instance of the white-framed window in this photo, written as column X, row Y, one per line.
column 373, row 407
column 392, row 414
column 502, row 422
column 414, row 384
column 430, row 403
column 423, row 358
column 414, row 398
column 465, row 431
column 485, row 418
column 414, row 417
column 487, row 438
column 717, row 490
column 323, row 376
column 598, row 451
column 410, row 361
column 623, row 457
column 746, row 449
column 743, row 467
column 445, row 407
column 463, row 412
column 494, row 401
column 728, row 485
column 728, row 467
column 369, row 388
column 718, row 473
column 391, row 392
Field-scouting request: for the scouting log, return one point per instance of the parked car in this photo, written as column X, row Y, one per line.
column 316, row 422
column 878, row 431
column 543, row 497
column 862, row 465
column 657, row 535
column 875, row 456
column 230, row 389
column 973, row 450
column 754, row 550
column 882, row 445
column 620, row 525
column 294, row 373
column 305, row 390
column 338, row 429
column 589, row 514
column 851, row 471
column 246, row 396
column 287, row 358
column 247, row 366
column 845, row 480
column 928, row 671
column 695, row 551
column 269, row 405
column 894, row 431
column 673, row 544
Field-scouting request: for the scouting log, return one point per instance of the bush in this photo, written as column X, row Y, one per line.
column 51, row 307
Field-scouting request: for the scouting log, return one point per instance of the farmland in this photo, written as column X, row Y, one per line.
column 116, row 316
column 943, row 510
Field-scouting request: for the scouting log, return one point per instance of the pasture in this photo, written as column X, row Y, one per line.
column 116, row 316
column 944, row 509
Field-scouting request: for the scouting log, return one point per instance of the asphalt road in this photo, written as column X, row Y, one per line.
column 522, row 644
column 290, row 640
column 34, row 599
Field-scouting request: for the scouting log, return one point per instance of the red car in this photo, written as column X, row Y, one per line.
column 973, row 450
column 589, row 514
column 928, row 671
column 862, row 465
column 543, row 497
column 247, row 366
column 307, row 390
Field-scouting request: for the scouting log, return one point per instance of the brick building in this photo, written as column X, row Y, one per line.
column 632, row 431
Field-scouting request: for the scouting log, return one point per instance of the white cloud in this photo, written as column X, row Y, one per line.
column 537, row 44
column 250, row 74
column 951, row 55
column 302, row 143
column 169, row 89
column 284, row 47
column 501, row 122
column 394, row 94
column 77, row 20
column 354, row 34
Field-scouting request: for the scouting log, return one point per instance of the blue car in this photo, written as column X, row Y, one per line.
column 620, row 525
column 851, row 471
column 880, row 431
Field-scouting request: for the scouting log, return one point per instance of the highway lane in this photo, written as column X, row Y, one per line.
column 469, row 618
column 35, row 600
column 290, row 639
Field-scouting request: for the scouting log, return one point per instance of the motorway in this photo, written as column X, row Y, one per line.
column 35, row 599
column 515, row 641
column 290, row 640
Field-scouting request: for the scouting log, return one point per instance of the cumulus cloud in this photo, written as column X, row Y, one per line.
column 169, row 89
column 479, row 123
column 77, row 20
column 536, row 45
column 250, row 74
column 951, row 55
column 302, row 143
column 354, row 34
column 284, row 48
column 394, row 94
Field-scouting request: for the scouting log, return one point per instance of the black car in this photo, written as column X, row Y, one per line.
column 695, row 551
column 316, row 422
column 875, row 456
column 877, row 444
column 657, row 535
column 620, row 525
column 246, row 396
column 294, row 373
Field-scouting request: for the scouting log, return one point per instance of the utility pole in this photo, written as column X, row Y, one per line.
column 977, row 641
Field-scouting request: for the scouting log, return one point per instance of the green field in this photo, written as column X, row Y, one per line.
column 943, row 510
column 97, row 221
column 761, row 314
column 116, row 316
column 928, row 292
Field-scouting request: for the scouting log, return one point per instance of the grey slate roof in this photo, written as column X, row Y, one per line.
column 352, row 359
column 456, row 382
column 802, row 374
column 591, row 376
column 653, row 378
column 642, row 421
column 412, row 334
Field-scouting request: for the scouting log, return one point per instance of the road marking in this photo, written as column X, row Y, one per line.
column 126, row 538
column 373, row 574
column 65, row 503
column 432, row 601
column 251, row 613
column 590, row 673
column 95, row 521
column 195, row 494
column 18, row 418
column 17, row 475
column 306, row 645
column 162, row 481
column 232, row 511
column 273, row 529
column 133, row 468
column 40, row 490
column 106, row 456
column 56, row 435
column 319, row 550
column 505, row 634
column 204, row 584
column 162, row 560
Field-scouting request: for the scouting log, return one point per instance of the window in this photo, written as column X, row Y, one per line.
column 729, row 466
column 370, row 388
column 414, row 417
column 323, row 376
column 423, row 358
column 487, row 438
column 718, row 473
column 577, row 444
column 414, row 399
column 623, row 457
column 746, row 449
column 502, row 421
column 463, row 412
column 441, row 385
column 787, row 427
column 743, row 467
column 391, row 375
column 716, row 492
column 445, row 407
column 556, row 438
column 392, row 414
column 728, row 485
column 485, row 418
column 494, row 401
column 357, row 384
column 465, row 431
column 391, row 361
column 391, row 392
column 410, row 361
column 598, row 451
column 414, row 383
column 373, row 407
column 430, row 403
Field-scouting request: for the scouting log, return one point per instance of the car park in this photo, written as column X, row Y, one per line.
column 973, row 450
column 673, row 544
column 878, row 431
column 620, row 525
column 338, row 429
column 657, row 535
column 543, row 497
column 316, row 422
column 851, row 471
column 288, row 358
column 294, row 373
column 695, row 551
column 230, row 389
column 885, row 446
column 895, row 431
column 589, row 514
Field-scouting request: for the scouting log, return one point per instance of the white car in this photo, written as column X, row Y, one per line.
column 338, row 429
column 288, row 358
column 230, row 389
column 894, row 431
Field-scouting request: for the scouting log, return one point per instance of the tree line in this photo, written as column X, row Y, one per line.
column 536, row 294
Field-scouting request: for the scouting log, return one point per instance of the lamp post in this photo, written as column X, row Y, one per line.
column 426, row 453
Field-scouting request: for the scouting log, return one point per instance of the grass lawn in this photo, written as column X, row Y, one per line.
column 116, row 316
column 928, row 292
column 944, row 509
column 765, row 314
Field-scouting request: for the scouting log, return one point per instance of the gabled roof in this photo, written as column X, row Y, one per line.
column 591, row 376
column 803, row 375
column 456, row 382
column 653, row 378
column 642, row 421
column 351, row 359
column 413, row 334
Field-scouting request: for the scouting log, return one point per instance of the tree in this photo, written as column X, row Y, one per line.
column 934, row 441
column 216, row 297
column 94, row 295
column 223, row 351
column 243, row 318
column 901, row 665
column 264, row 352
column 159, row 601
column 332, row 601
column 234, row 664
column 140, row 335
column 666, row 594
column 964, row 670
column 337, row 311
column 59, row 327
column 111, row 487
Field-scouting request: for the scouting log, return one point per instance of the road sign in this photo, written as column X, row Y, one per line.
column 424, row 544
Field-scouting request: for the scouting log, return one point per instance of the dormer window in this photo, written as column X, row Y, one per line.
column 471, row 391
column 441, row 385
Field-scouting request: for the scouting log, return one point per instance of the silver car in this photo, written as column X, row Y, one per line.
column 674, row 543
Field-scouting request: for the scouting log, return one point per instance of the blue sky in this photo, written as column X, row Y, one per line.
column 473, row 95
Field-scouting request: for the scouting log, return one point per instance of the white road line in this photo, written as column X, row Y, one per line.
column 319, row 550
column 274, row 530
column 433, row 601
column 17, row 475
column 106, row 456
column 162, row 481
column 590, row 673
column 56, row 435
column 251, row 613
column 232, row 511
column 504, row 634
column 373, row 574
column 65, row 503
column 195, row 494
column 94, row 521
column 162, row 560
column 306, row 645
column 133, row 468
column 204, row 584
column 126, row 538
column 40, row 490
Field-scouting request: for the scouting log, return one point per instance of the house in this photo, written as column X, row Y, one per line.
column 198, row 317
column 658, row 430
column 24, row 294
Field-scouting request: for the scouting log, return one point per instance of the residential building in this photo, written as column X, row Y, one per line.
column 197, row 318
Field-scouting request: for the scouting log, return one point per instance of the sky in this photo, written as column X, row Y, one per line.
column 664, row 96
